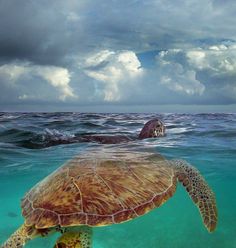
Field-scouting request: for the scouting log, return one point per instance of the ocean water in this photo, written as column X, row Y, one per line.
column 207, row 141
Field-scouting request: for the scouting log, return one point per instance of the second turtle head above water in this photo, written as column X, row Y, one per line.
column 152, row 129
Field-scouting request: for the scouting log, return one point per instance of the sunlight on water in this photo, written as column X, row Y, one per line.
column 176, row 224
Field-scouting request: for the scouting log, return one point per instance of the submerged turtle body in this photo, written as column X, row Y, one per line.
column 95, row 190
column 106, row 187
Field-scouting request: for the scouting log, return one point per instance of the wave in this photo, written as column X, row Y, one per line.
column 56, row 135
column 14, row 135
column 49, row 137
column 89, row 124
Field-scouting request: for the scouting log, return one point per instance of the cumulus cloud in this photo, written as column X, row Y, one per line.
column 209, row 72
column 175, row 75
column 188, row 76
column 57, row 77
column 218, row 58
column 217, row 71
column 114, row 70
column 128, row 52
column 12, row 72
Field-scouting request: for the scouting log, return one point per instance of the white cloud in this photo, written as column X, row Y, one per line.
column 208, row 71
column 98, row 58
column 218, row 58
column 185, row 83
column 197, row 58
column 57, row 77
column 113, row 70
column 190, row 75
column 13, row 71
column 176, row 76
column 24, row 97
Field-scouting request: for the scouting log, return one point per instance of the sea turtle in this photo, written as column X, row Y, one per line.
column 152, row 129
column 106, row 187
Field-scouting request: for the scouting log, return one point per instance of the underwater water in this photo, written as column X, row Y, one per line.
column 207, row 141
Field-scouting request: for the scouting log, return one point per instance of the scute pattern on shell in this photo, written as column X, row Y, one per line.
column 100, row 188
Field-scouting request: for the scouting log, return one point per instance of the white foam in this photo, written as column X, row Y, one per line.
column 54, row 134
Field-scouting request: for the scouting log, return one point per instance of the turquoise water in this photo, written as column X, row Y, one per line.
column 207, row 141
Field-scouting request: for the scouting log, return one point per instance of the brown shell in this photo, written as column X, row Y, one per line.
column 100, row 188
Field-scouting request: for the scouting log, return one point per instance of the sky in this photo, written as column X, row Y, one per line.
column 118, row 55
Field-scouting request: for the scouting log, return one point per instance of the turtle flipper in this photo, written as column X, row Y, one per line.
column 199, row 191
column 19, row 238
column 75, row 239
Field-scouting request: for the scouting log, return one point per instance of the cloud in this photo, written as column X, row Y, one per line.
column 113, row 71
column 57, row 77
column 81, row 52
column 200, row 75
column 175, row 75
column 13, row 71
column 16, row 73
column 65, row 29
column 209, row 72
column 218, row 58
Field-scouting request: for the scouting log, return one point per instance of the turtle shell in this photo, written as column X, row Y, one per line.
column 100, row 188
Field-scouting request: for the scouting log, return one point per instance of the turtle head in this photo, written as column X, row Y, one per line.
column 153, row 128
column 75, row 239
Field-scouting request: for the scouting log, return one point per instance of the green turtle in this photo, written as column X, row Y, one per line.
column 106, row 187
column 152, row 129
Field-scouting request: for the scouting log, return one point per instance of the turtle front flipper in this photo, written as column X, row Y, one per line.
column 199, row 190
column 75, row 239
column 19, row 238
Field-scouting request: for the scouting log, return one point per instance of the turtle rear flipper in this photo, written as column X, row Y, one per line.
column 199, row 191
